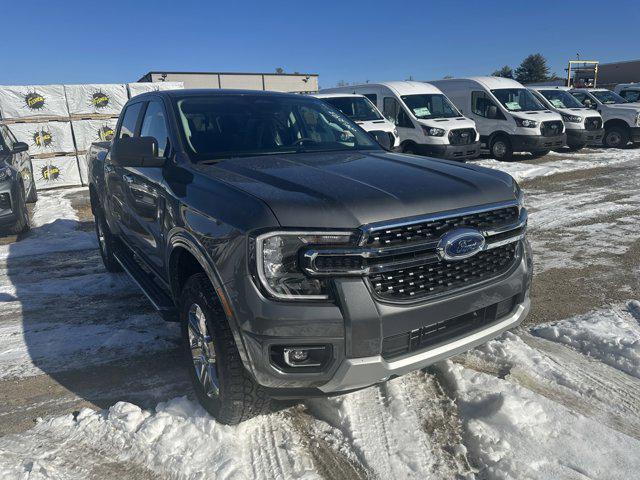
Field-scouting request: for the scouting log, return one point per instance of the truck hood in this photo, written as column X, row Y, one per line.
column 540, row 116
column 350, row 189
column 382, row 125
column 628, row 107
column 448, row 123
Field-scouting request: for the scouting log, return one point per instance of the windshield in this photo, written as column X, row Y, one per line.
column 224, row 126
column 561, row 99
column 358, row 109
column 608, row 97
column 426, row 106
column 518, row 100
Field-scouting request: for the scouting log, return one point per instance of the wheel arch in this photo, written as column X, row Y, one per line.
column 616, row 122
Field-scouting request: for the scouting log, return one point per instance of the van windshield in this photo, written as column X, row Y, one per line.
column 518, row 100
column 358, row 109
column 608, row 97
column 425, row 106
column 561, row 99
column 225, row 126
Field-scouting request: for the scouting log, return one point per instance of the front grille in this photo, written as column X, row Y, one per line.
column 434, row 229
column 5, row 201
column 462, row 136
column 593, row 123
column 446, row 330
column 443, row 276
column 551, row 129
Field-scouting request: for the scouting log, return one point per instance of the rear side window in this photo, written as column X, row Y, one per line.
column 631, row 95
column 129, row 121
column 395, row 113
column 154, row 125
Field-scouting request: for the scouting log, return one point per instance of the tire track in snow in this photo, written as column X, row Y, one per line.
column 579, row 383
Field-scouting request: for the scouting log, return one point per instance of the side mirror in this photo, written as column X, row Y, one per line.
column 383, row 139
column 136, row 152
column 20, row 147
column 492, row 112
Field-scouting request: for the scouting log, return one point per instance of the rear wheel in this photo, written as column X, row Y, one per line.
column 410, row 149
column 223, row 386
column 616, row 137
column 22, row 223
column 501, row 148
column 106, row 242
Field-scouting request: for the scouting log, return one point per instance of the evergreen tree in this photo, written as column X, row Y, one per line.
column 506, row 72
column 532, row 69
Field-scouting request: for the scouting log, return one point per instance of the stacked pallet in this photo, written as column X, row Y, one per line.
column 59, row 123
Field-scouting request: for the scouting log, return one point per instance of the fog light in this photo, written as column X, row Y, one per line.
column 302, row 355
column 296, row 356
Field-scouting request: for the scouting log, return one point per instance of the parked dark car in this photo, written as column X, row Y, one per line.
column 301, row 258
column 17, row 184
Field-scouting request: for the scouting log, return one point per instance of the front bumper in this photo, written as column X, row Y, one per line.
column 537, row 143
column 8, row 192
column 451, row 152
column 578, row 138
column 356, row 325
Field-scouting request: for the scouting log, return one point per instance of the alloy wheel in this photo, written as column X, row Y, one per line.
column 202, row 351
column 499, row 149
column 614, row 139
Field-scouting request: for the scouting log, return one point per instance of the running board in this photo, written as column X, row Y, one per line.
column 158, row 298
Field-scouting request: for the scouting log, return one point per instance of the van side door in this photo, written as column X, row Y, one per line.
column 395, row 112
column 487, row 115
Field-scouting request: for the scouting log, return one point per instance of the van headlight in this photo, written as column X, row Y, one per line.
column 433, row 131
column 571, row 118
column 277, row 263
column 525, row 122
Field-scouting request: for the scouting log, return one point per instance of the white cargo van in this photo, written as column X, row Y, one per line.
column 426, row 120
column 629, row 91
column 621, row 118
column 360, row 109
column 583, row 125
column 507, row 115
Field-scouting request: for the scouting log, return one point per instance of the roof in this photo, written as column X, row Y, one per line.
column 488, row 82
column 548, row 87
column 215, row 92
column 335, row 95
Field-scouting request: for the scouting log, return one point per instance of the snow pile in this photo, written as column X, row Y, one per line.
column 54, row 228
column 611, row 336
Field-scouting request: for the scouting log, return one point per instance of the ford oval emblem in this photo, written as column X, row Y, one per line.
column 460, row 243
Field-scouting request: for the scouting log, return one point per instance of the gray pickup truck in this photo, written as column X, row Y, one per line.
column 301, row 257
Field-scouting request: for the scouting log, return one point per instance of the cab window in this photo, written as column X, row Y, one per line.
column 481, row 105
column 584, row 99
column 130, row 120
column 154, row 125
column 395, row 113
column 631, row 95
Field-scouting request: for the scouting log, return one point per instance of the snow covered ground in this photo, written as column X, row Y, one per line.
column 558, row 400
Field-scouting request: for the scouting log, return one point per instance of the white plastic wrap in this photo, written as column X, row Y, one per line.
column 90, row 98
column 45, row 137
column 24, row 101
column 88, row 131
column 56, row 172
column 144, row 87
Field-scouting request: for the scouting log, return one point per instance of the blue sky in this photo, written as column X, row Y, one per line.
column 73, row 41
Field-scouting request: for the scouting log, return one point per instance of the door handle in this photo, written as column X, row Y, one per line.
column 127, row 178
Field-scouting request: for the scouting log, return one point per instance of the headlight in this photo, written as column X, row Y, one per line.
column 277, row 260
column 519, row 194
column 638, row 119
column 525, row 122
column 572, row 118
column 5, row 173
column 433, row 131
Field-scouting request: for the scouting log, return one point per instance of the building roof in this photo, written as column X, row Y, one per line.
column 169, row 72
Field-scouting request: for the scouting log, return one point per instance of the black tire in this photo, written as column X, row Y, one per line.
column 539, row 153
column 409, row 149
column 237, row 396
column 501, row 148
column 576, row 148
column 23, row 223
column 33, row 194
column 106, row 242
column 616, row 137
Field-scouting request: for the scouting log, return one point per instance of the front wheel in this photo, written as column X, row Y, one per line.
column 33, row 192
column 222, row 384
column 501, row 149
column 616, row 137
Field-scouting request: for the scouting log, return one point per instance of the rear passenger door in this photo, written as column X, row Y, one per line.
column 143, row 187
